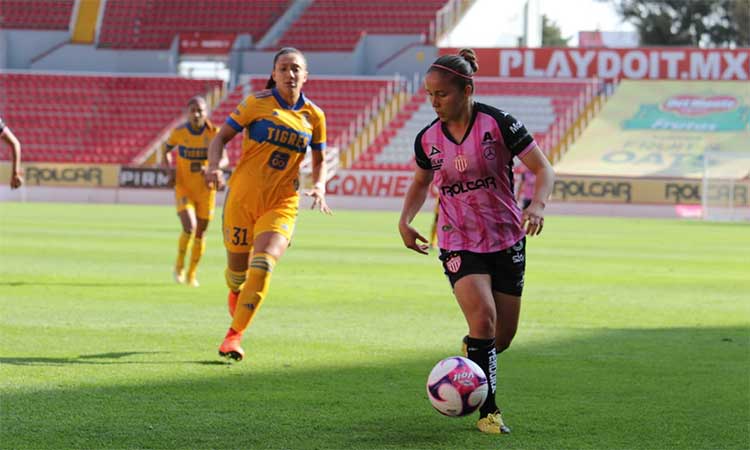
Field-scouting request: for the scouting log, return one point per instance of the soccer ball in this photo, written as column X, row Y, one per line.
column 457, row 386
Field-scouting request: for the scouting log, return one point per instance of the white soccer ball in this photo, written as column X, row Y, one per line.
column 457, row 386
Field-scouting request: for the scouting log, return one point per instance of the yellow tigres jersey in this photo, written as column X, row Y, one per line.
column 275, row 138
column 191, row 154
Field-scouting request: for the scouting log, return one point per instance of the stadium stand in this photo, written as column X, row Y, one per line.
column 547, row 108
column 93, row 119
column 25, row 14
column 337, row 25
column 342, row 99
column 147, row 24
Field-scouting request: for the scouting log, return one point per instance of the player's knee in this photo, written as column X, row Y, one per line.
column 482, row 325
column 235, row 279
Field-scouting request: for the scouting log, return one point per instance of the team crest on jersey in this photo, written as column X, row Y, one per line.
column 461, row 163
column 453, row 264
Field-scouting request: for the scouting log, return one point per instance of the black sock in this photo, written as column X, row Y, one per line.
column 482, row 352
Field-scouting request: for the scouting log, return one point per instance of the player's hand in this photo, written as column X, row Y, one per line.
column 16, row 180
column 215, row 179
column 410, row 236
column 319, row 199
column 533, row 218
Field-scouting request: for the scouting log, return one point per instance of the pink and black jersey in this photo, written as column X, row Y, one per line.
column 474, row 177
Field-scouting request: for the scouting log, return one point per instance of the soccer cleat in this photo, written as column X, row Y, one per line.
column 493, row 424
column 230, row 348
column 179, row 276
column 232, row 301
column 193, row 282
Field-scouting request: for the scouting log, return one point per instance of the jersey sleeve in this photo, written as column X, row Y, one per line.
column 172, row 140
column 2, row 126
column 515, row 135
column 319, row 131
column 242, row 115
column 419, row 154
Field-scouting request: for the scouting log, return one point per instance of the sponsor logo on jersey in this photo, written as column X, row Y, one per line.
column 461, row 163
column 488, row 153
column 463, row 187
column 278, row 160
column 453, row 264
column 434, row 151
column 193, row 153
column 515, row 127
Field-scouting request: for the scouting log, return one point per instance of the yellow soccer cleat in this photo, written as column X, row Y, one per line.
column 230, row 348
column 179, row 276
column 493, row 424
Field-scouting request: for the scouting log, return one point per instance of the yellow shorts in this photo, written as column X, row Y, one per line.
column 203, row 204
column 243, row 221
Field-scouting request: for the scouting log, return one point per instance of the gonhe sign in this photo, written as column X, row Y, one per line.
column 66, row 175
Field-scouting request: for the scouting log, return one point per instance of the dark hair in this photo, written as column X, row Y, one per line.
column 195, row 100
column 460, row 68
column 284, row 51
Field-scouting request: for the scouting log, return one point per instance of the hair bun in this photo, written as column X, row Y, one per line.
column 470, row 57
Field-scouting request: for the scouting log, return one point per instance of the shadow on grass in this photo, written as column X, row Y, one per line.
column 82, row 284
column 635, row 388
column 81, row 359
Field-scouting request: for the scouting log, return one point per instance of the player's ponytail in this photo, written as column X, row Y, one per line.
column 271, row 83
column 460, row 68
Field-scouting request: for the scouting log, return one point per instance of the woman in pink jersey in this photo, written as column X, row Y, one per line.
column 467, row 151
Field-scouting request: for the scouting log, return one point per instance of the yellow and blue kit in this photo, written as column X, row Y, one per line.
column 192, row 156
column 263, row 189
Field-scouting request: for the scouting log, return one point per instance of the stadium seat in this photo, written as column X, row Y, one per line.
column 92, row 119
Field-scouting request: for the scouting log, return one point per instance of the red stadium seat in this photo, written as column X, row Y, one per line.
column 92, row 119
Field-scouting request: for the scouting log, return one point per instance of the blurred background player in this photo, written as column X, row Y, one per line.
column 16, row 180
column 526, row 185
column 260, row 209
column 468, row 151
column 195, row 201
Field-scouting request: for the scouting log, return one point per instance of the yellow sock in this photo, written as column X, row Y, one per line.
column 199, row 247
column 182, row 248
column 254, row 291
column 235, row 280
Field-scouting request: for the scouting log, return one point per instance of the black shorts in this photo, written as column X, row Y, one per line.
column 506, row 268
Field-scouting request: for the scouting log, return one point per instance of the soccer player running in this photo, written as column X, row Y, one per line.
column 468, row 152
column 195, row 201
column 16, row 180
column 278, row 124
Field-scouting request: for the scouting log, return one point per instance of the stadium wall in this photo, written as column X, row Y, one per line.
column 91, row 59
column 374, row 55
column 19, row 47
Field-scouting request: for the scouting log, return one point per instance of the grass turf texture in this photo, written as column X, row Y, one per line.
column 634, row 334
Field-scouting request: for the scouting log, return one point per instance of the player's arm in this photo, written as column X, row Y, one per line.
column 318, row 191
column 537, row 163
column 16, row 180
column 167, row 160
column 415, row 198
column 217, row 154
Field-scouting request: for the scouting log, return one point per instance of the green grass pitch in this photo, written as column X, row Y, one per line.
column 633, row 334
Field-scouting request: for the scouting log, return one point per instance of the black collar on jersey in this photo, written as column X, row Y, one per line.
column 300, row 103
column 447, row 133
column 194, row 132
